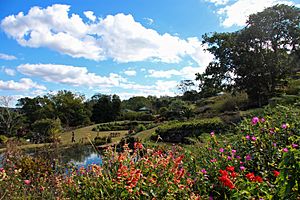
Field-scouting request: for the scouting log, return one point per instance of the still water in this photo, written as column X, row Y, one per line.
column 80, row 156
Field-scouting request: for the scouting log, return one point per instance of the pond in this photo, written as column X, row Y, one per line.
column 79, row 155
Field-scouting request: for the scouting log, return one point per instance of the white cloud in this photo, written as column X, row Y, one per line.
column 187, row 72
column 118, row 37
column 130, row 72
column 70, row 75
column 10, row 72
column 7, row 57
column 149, row 20
column 163, row 73
column 238, row 12
column 160, row 88
column 90, row 15
column 23, row 84
column 218, row 2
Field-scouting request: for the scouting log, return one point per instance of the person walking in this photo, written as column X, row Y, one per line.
column 73, row 137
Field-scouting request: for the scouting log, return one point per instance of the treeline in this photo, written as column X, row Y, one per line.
column 43, row 116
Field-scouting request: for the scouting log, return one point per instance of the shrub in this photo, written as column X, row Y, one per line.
column 176, row 131
column 102, row 140
column 3, row 139
column 228, row 102
column 140, row 128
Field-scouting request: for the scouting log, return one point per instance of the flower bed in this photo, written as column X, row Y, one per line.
column 260, row 162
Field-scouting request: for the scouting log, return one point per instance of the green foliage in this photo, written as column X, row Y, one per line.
column 285, row 100
column 117, row 126
column 105, row 108
column 229, row 102
column 46, row 130
column 256, row 54
column 259, row 161
column 139, row 128
column 135, row 103
column 102, row 140
column 3, row 139
column 139, row 116
column 176, row 131
column 65, row 105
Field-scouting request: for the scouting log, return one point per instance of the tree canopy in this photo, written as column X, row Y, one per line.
column 255, row 59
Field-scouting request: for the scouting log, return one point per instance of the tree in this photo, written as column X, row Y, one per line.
column 255, row 59
column 135, row 103
column 105, row 107
column 185, row 85
column 70, row 108
column 10, row 119
column 45, row 130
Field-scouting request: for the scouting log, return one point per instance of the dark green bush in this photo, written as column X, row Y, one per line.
column 176, row 131
column 102, row 140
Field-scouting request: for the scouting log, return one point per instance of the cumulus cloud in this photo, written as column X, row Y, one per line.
column 4, row 56
column 187, row 72
column 23, row 84
column 238, row 12
column 218, row 2
column 10, row 72
column 160, row 88
column 130, row 72
column 118, row 37
column 90, row 15
column 70, row 75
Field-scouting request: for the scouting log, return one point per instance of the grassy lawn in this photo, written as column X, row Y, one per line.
column 145, row 135
column 83, row 135
column 86, row 133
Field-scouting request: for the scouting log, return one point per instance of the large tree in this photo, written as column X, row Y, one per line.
column 105, row 108
column 257, row 58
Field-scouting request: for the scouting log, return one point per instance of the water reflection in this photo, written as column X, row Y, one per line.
column 79, row 155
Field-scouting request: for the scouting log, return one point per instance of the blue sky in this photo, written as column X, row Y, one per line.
column 127, row 47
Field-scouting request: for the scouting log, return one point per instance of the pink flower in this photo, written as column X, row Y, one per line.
column 229, row 158
column 247, row 137
column 262, row 120
column 209, row 148
column 285, row 150
column 212, row 134
column 254, row 120
column 233, row 151
column 213, row 160
column 253, row 138
column 293, row 145
column 1, row 169
column 248, row 157
column 203, row 171
column 274, row 144
column 27, row 182
column 238, row 157
column 221, row 150
column 242, row 168
column 284, row 126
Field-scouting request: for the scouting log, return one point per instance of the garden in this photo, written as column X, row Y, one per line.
column 260, row 160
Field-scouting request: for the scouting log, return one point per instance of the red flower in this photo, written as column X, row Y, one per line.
column 227, row 182
column 250, row 176
column 223, row 172
column 225, row 179
column 258, row 179
column 230, row 168
column 276, row 173
column 233, row 174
